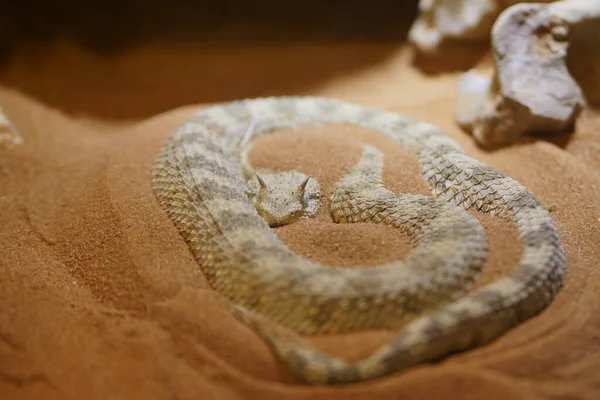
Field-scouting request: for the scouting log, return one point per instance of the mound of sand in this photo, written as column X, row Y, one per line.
column 100, row 297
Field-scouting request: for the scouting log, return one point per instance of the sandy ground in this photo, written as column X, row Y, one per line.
column 100, row 297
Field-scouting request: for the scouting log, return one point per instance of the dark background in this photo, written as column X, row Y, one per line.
column 195, row 52
column 112, row 25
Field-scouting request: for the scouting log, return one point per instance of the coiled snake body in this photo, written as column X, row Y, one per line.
column 204, row 187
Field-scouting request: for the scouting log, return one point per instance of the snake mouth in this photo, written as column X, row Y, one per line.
column 282, row 221
column 274, row 222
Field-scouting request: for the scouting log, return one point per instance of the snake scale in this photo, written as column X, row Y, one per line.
column 226, row 215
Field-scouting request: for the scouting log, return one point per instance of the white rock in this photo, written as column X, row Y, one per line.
column 9, row 136
column 532, row 90
column 440, row 20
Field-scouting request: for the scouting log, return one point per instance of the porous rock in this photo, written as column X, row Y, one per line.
column 531, row 89
column 465, row 20
column 9, row 136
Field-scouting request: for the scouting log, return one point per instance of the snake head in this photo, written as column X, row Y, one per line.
column 281, row 200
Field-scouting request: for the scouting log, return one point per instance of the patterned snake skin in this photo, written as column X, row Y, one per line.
column 203, row 186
